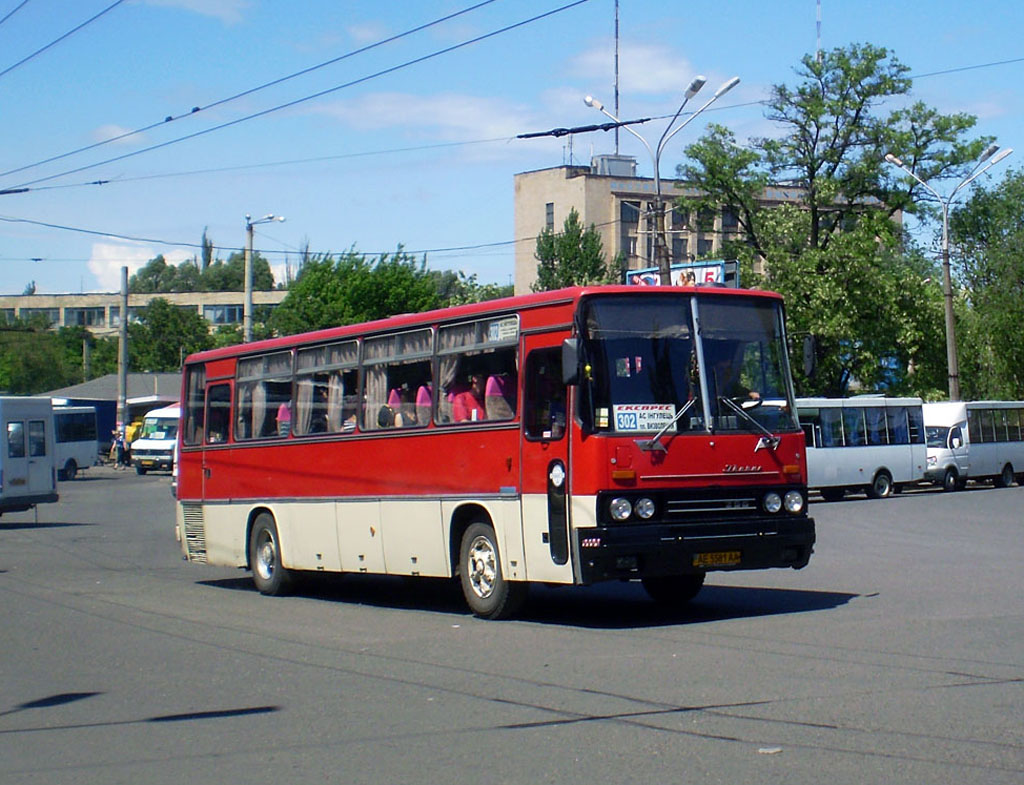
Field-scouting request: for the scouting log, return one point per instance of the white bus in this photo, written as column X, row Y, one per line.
column 28, row 475
column 77, row 439
column 974, row 440
column 154, row 449
column 869, row 443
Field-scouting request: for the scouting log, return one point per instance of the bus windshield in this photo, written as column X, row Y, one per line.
column 645, row 365
column 159, row 428
column 937, row 435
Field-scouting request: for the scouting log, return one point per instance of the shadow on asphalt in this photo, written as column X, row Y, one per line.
column 14, row 525
column 615, row 605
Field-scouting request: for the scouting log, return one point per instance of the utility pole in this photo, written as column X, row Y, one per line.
column 122, row 356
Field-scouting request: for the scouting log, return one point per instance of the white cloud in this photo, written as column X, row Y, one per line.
column 228, row 11
column 111, row 132
column 367, row 32
column 643, row 68
column 107, row 259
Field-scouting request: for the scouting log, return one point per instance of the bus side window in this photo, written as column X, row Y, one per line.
column 218, row 413
column 544, row 413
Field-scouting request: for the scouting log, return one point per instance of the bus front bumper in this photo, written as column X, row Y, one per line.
column 647, row 551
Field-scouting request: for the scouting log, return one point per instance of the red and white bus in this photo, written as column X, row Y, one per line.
column 566, row 437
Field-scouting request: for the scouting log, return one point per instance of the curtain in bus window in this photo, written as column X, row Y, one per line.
column 304, row 405
column 243, row 414
column 447, row 369
column 376, row 396
column 853, row 427
column 831, row 427
column 875, row 416
column 335, row 402
column 899, row 433
column 259, row 408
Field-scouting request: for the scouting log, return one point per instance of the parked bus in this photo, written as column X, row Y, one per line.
column 28, row 474
column 976, row 440
column 870, row 444
column 77, row 439
column 567, row 437
column 154, row 449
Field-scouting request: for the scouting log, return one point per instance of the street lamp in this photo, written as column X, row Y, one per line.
column 952, row 364
column 660, row 246
column 247, row 304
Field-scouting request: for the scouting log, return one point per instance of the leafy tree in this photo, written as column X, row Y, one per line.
column 159, row 277
column 351, row 288
column 573, row 257
column 457, row 288
column 32, row 361
column 229, row 276
column 207, row 245
column 849, row 279
column 164, row 335
column 987, row 246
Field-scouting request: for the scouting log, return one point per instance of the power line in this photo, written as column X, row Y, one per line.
column 320, row 94
column 21, row 5
column 250, row 91
column 56, row 41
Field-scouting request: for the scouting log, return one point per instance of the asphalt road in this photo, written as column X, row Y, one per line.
column 897, row 655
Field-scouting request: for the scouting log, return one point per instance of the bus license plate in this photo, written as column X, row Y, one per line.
column 716, row 559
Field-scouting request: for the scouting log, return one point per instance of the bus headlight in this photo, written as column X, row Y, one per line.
column 620, row 509
column 794, row 502
column 644, row 508
column 772, row 502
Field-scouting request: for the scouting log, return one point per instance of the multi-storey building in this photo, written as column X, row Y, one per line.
column 620, row 205
column 100, row 312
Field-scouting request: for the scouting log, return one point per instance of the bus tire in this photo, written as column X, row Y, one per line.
column 673, row 590
column 269, row 576
column 70, row 469
column 950, row 480
column 140, row 470
column 487, row 593
column 1005, row 479
column 881, row 485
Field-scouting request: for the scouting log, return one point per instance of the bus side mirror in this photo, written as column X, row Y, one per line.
column 956, row 443
column 570, row 361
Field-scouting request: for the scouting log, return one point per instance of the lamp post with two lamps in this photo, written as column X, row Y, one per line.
column 952, row 363
column 247, row 303
column 660, row 246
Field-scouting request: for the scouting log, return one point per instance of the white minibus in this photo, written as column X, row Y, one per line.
column 28, row 475
column 974, row 440
column 77, row 440
column 867, row 443
column 154, row 449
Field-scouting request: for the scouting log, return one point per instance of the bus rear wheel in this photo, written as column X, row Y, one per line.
column 487, row 593
column 881, row 486
column 269, row 576
column 1005, row 479
column 70, row 470
column 672, row 590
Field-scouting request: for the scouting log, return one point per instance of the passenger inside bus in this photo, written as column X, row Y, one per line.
column 470, row 404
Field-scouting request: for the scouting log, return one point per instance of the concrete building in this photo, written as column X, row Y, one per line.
column 609, row 195
column 101, row 312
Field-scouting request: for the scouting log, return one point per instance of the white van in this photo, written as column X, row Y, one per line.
column 154, row 449
column 77, row 440
column 974, row 440
column 28, row 474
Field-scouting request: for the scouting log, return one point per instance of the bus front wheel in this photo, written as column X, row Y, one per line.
column 268, row 574
column 881, row 486
column 673, row 589
column 950, row 480
column 487, row 592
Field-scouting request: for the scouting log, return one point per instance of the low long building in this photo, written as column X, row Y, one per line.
column 100, row 312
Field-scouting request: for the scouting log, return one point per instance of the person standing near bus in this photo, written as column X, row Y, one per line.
column 469, row 405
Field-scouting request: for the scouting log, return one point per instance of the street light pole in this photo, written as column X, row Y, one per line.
column 952, row 362
column 247, row 302
column 660, row 245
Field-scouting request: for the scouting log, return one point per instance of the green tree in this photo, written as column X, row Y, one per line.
column 572, row 257
column 164, row 335
column 987, row 246
column 32, row 360
column 351, row 288
column 850, row 280
column 457, row 288
column 229, row 276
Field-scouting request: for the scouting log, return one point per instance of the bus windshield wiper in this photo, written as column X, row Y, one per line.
column 654, row 443
column 769, row 441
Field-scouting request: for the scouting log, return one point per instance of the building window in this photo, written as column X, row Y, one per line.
column 50, row 315
column 704, row 247
column 85, row 317
column 223, row 314
column 549, row 216
column 730, row 219
column 7, row 315
column 680, row 249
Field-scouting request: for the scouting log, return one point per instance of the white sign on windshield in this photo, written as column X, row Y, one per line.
column 644, row 416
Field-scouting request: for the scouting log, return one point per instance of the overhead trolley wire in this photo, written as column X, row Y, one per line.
column 250, row 91
column 314, row 96
column 56, row 41
column 20, row 5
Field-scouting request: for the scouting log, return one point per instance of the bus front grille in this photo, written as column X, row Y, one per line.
column 710, row 506
column 195, row 532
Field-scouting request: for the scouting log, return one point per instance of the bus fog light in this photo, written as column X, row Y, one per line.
column 772, row 502
column 794, row 502
column 620, row 509
column 645, row 508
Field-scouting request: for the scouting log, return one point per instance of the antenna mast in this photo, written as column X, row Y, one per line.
column 617, row 73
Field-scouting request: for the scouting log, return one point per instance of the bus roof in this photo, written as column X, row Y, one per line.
column 505, row 304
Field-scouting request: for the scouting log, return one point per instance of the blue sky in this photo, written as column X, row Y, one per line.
column 393, row 151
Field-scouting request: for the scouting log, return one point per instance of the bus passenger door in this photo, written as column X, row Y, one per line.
column 545, row 464
column 217, row 423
